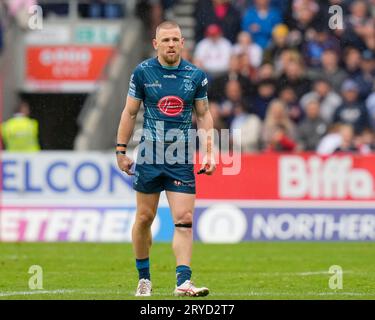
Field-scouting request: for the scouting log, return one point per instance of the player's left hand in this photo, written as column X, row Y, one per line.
column 208, row 164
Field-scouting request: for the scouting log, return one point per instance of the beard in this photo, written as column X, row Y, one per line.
column 171, row 59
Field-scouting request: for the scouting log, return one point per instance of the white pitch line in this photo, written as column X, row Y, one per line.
column 163, row 293
column 305, row 273
column 29, row 293
column 252, row 293
column 59, row 291
column 14, row 257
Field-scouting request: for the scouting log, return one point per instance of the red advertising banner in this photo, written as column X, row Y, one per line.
column 64, row 67
column 292, row 177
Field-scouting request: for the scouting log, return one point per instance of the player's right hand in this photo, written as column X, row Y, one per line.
column 208, row 164
column 125, row 163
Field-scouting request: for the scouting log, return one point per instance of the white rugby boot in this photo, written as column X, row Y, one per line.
column 144, row 288
column 190, row 290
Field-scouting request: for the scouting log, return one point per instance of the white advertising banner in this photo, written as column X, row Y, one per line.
column 50, row 34
column 68, row 176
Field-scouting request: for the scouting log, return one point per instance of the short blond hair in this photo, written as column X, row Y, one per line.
column 166, row 25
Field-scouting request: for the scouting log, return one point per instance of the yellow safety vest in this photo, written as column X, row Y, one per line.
column 20, row 133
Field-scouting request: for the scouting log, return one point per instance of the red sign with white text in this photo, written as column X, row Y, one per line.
column 292, row 177
column 64, row 67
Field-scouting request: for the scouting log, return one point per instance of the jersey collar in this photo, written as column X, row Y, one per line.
column 167, row 67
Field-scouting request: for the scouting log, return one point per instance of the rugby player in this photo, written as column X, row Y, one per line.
column 170, row 88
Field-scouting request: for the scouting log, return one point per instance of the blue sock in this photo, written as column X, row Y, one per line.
column 143, row 267
column 183, row 273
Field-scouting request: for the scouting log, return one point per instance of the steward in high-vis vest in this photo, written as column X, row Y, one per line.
column 20, row 133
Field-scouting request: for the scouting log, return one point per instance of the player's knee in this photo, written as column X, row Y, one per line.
column 145, row 217
column 184, row 219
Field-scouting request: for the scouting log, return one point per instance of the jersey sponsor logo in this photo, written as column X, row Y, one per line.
column 171, row 105
column 204, row 82
column 156, row 84
column 170, row 76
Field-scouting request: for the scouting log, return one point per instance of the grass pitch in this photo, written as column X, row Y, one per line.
column 255, row 270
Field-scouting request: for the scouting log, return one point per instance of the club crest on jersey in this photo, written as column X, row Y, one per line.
column 171, row 105
column 188, row 85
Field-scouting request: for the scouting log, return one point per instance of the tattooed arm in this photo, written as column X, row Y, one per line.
column 206, row 136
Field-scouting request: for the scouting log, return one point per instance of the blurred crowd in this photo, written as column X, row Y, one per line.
column 281, row 72
column 290, row 74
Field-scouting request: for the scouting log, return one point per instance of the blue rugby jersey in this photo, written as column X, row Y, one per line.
column 168, row 95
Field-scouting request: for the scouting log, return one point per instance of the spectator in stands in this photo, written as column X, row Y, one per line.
column 265, row 93
column 213, row 52
column 330, row 70
column 347, row 140
column 294, row 76
column 359, row 27
column 320, row 40
column 259, row 20
column 219, row 12
column 365, row 142
column 281, row 5
column 249, row 126
column 245, row 45
column 366, row 77
column 303, row 19
column 329, row 100
column 278, row 132
column 285, row 58
column 312, row 128
column 21, row 133
column 331, row 141
column 352, row 62
column 266, row 71
column 280, row 141
column 233, row 97
column 247, row 70
column 278, row 44
column 352, row 111
column 216, row 90
column 289, row 97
